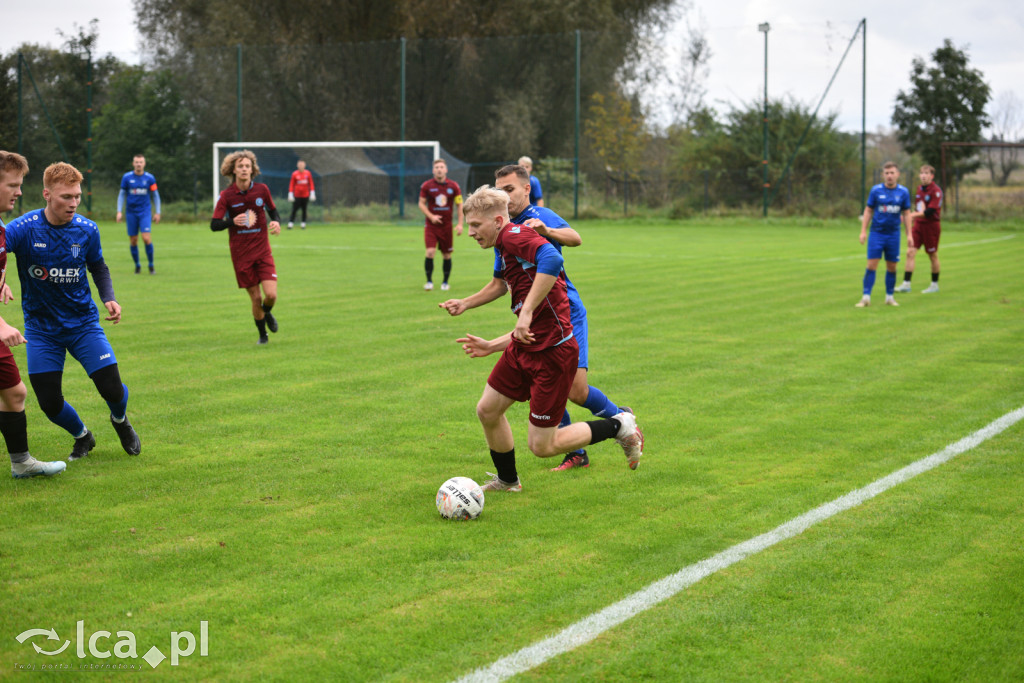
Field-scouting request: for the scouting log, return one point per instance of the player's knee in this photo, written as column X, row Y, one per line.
column 108, row 383
column 12, row 399
column 541, row 447
column 50, row 402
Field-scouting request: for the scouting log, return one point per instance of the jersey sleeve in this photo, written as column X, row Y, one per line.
column 535, row 188
column 936, row 199
column 269, row 200
column 905, row 204
column 221, row 209
column 291, row 183
column 93, row 250
column 873, row 198
column 309, row 176
column 124, row 182
column 423, row 191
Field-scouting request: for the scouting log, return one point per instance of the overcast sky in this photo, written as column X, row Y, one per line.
column 805, row 42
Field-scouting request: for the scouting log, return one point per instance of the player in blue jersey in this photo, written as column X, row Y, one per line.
column 515, row 181
column 888, row 207
column 13, row 426
column 55, row 247
column 137, row 186
column 536, row 194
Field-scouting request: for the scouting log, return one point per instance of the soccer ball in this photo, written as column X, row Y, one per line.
column 460, row 498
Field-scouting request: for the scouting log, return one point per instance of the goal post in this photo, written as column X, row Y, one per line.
column 345, row 174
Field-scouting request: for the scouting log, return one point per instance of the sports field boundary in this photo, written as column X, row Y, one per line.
column 587, row 629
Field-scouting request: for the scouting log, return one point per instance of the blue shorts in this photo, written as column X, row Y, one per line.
column 87, row 344
column 880, row 243
column 138, row 222
column 578, row 316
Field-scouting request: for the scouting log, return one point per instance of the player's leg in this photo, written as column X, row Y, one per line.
column 430, row 240
column 490, row 410
column 256, row 302
column 891, row 250
column 108, row 383
column 304, row 203
column 295, row 209
column 447, row 246
column 131, row 222
column 908, row 267
column 13, row 425
column 47, row 388
column 932, row 248
column 145, row 231
column 874, row 256
column 269, row 287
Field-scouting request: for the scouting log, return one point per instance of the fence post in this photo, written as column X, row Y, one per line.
column 238, row 91
column 576, row 154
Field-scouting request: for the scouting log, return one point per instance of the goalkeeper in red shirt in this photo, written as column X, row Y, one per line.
column 300, row 191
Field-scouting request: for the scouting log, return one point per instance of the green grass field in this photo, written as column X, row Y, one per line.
column 285, row 494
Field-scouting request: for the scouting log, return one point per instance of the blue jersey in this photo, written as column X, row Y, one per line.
column 888, row 205
column 535, row 191
column 137, row 189
column 52, row 266
column 554, row 221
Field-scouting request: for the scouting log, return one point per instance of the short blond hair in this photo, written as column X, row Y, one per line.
column 525, row 160
column 61, row 173
column 12, row 162
column 929, row 168
column 227, row 167
column 487, row 200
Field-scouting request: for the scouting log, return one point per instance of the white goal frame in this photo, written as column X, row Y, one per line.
column 217, row 146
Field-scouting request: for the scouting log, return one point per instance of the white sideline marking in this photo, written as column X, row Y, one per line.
column 587, row 629
column 944, row 246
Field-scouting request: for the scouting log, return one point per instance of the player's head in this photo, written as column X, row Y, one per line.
column 486, row 213
column 890, row 174
column 440, row 170
column 301, row 165
column 240, row 165
column 13, row 169
column 139, row 164
column 527, row 163
column 62, row 190
column 515, row 181
column 927, row 174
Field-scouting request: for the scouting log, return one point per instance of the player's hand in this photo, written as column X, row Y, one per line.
column 10, row 336
column 244, row 219
column 537, row 225
column 522, row 333
column 114, row 309
column 475, row 347
column 117, row 217
column 156, row 218
column 863, row 236
column 454, row 306
column 291, row 196
column 435, row 219
column 458, row 230
column 6, row 296
column 312, row 196
column 274, row 227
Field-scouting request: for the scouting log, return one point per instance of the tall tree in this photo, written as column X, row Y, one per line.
column 1007, row 126
column 945, row 103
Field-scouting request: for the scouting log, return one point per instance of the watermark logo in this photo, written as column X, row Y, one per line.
column 98, row 645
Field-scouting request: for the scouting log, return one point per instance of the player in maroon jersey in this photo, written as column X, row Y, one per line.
column 301, row 191
column 242, row 209
column 540, row 362
column 13, row 168
column 926, row 231
column 439, row 196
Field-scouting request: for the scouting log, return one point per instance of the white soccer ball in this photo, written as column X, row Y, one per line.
column 460, row 498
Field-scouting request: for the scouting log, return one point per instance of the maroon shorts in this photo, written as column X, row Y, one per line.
column 438, row 236
column 9, row 375
column 543, row 378
column 252, row 272
column 926, row 236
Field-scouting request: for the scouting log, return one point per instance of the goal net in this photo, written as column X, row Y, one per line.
column 380, row 178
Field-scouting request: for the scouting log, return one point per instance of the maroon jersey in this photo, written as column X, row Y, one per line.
column 928, row 197
column 518, row 245
column 442, row 198
column 248, row 242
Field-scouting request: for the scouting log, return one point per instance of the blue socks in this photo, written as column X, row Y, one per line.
column 68, row 420
column 135, row 254
column 599, row 405
column 869, row 280
column 149, row 254
column 120, row 408
column 890, row 283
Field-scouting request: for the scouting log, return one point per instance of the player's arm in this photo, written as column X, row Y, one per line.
column 493, row 290
column 549, row 264
column 432, row 217
column 458, row 207
column 274, row 224
column 156, row 203
column 105, row 286
column 865, row 221
column 563, row 234
column 312, row 187
column 477, row 347
column 120, row 205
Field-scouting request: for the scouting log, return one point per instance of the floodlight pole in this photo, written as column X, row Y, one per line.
column 764, row 28
column 863, row 111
